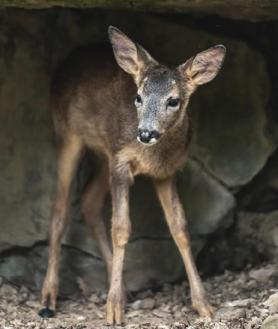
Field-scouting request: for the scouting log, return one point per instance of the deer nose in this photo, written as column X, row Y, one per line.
column 146, row 136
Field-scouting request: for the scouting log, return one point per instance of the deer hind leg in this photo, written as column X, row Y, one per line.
column 176, row 220
column 69, row 155
column 92, row 206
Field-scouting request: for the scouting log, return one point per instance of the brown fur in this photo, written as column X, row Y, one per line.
column 93, row 107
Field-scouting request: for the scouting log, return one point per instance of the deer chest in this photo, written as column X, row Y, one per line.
column 154, row 162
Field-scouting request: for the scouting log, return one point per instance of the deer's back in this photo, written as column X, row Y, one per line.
column 92, row 98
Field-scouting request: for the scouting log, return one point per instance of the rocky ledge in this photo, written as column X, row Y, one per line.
column 250, row 10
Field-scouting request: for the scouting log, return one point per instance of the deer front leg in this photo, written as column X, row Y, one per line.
column 120, row 233
column 174, row 213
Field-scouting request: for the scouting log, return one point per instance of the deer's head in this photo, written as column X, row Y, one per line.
column 162, row 93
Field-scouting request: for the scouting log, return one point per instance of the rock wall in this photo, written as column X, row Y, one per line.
column 231, row 145
column 253, row 10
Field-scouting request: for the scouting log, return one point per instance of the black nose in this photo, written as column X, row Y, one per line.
column 146, row 135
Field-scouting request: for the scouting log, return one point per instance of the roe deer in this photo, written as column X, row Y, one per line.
column 138, row 124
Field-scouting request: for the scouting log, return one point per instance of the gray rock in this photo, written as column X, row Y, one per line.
column 136, row 305
column 8, row 290
column 27, row 154
column 260, row 194
column 222, row 155
column 255, row 322
column 159, row 313
column 268, row 234
column 95, row 299
column 239, row 303
column 202, row 194
column 263, row 274
column 133, row 314
column 270, row 322
column 272, row 303
column 230, row 313
column 242, row 9
column 220, row 325
column 148, row 303
column 260, row 230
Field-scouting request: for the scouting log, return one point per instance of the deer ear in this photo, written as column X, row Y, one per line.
column 131, row 57
column 204, row 66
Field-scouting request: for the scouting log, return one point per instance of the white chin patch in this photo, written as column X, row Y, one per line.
column 151, row 142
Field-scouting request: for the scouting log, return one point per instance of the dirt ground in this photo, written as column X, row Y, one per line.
column 247, row 300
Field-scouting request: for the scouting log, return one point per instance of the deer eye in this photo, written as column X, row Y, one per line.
column 138, row 99
column 173, row 102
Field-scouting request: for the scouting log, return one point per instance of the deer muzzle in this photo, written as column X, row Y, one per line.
column 146, row 136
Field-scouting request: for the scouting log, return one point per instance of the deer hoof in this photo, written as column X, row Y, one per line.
column 46, row 313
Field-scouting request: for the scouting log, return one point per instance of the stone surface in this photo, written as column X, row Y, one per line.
column 226, row 138
column 220, row 326
column 272, row 303
column 261, row 194
column 222, row 120
column 25, row 139
column 263, row 274
column 212, row 199
column 253, row 10
column 271, row 322
column 252, row 239
column 148, row 303
column 261, row 230
column 229, row 313
column 239, row 303
column 172, row 308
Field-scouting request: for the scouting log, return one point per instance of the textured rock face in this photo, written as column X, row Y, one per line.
column 261, row 194
column 251, row 10
column 229, row 120
column 271, row 322
column 262, row 230
column 230, row 132
column 27, row 152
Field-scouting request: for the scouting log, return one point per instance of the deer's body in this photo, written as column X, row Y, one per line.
column 92, row 100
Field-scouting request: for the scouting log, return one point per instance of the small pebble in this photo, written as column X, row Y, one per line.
column 228, row 313
column 136, row 305
column 240, row 302
column 148, row 303
column 263, row 274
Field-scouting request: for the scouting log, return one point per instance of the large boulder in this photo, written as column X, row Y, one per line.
column 26, row 141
